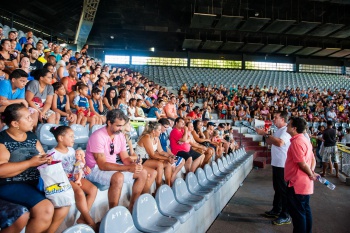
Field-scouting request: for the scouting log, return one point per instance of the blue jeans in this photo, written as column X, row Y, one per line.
column 300, row 211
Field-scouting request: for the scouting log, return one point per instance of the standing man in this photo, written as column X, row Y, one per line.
column 279, row 142
column 299, row 174
column 330, row 152
column 102, row 150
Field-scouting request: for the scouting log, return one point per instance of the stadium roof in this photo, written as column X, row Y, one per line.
column 319, row 28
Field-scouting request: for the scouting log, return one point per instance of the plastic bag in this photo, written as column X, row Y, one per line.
column 56, row 185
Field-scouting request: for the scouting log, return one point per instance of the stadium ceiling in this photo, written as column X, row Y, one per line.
column 319, row 28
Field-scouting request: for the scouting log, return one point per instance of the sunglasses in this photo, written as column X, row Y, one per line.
column 111, row 146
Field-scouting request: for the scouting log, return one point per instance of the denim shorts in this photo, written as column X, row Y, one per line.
column 23, row 194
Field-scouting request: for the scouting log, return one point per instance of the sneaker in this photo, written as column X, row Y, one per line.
column 281, row 221
column 272, row 214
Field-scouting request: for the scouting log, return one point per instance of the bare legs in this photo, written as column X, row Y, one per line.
column 83, row 202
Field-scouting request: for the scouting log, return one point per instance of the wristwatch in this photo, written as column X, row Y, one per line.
column 266, row 136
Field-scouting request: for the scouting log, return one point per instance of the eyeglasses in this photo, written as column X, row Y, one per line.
column 111, row 146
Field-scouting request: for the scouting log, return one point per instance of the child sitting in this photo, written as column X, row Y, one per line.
column 96, row 106
column 85, row 193
column 60, row 104
column 81, row 104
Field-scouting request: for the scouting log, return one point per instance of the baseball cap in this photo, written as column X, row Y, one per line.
column 211, row 123
column 47, row 50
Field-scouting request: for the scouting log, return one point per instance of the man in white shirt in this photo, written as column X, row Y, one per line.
column 331, row 115
column 279, row 142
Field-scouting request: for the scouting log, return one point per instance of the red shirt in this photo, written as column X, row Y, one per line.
column 300, row 150
column 175, row 144
column 193, row 115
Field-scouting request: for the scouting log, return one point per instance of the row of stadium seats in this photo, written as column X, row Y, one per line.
column 172, row 207
column 176, row 76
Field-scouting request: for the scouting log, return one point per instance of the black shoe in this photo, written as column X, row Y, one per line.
column 272, row 214
column 282, row 221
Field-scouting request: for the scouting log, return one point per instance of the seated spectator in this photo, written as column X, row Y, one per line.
column 122, row 103
column 139, row 111
column 96, row 107
column 110, row 100
column 180, row 146
column 70, row 80
column 81, row 104
column 84, row 191
column 194, row 114
column 20, row 155
column 181, row 111
column 10, row 60
column 61, row 105
column 39, row 95
column 331, row 115
column 156, row 111
column 103, row 148
column 12, row 91
column 199, row 137
column 23, row 40
column 209, row 134
column 132, row 108
column 33, row 58
column 170, row 108
column 61, row 67
column 149, row 149
column 13, row 217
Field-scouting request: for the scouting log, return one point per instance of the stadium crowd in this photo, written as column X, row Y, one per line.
column 55, row 85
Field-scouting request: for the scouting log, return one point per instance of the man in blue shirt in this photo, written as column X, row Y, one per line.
column 12, row 90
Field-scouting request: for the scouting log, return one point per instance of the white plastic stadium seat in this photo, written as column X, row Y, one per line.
column 81, row 228
column 118, row 220
column 168, row 206
column 147, row 217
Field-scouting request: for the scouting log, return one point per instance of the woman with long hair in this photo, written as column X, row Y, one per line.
column 149, row 149
column 199, row 137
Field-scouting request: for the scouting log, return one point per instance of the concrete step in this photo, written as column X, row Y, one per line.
column 259, row 162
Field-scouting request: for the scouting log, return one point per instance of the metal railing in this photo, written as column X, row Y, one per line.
column 344, row 152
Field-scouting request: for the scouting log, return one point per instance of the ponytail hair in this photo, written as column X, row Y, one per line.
column 150, row 126
column 59, row 130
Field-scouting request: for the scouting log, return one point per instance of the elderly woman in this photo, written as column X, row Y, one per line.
column 20, row 155
column 39, row 95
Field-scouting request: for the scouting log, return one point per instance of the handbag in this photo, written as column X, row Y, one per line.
column 57, row 187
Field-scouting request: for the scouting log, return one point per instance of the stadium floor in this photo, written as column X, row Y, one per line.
column 244, row 212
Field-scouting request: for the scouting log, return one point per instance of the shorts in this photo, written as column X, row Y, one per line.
column 9, row 213
column 48, row 113
column 23, row 194
column 86, row 113
column 186, row 155
column 104, row 177
column 330, row 153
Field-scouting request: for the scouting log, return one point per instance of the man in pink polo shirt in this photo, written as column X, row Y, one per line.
column 299, row 174
column 103, row 147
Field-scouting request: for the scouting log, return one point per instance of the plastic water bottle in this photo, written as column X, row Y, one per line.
column 326, row 182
